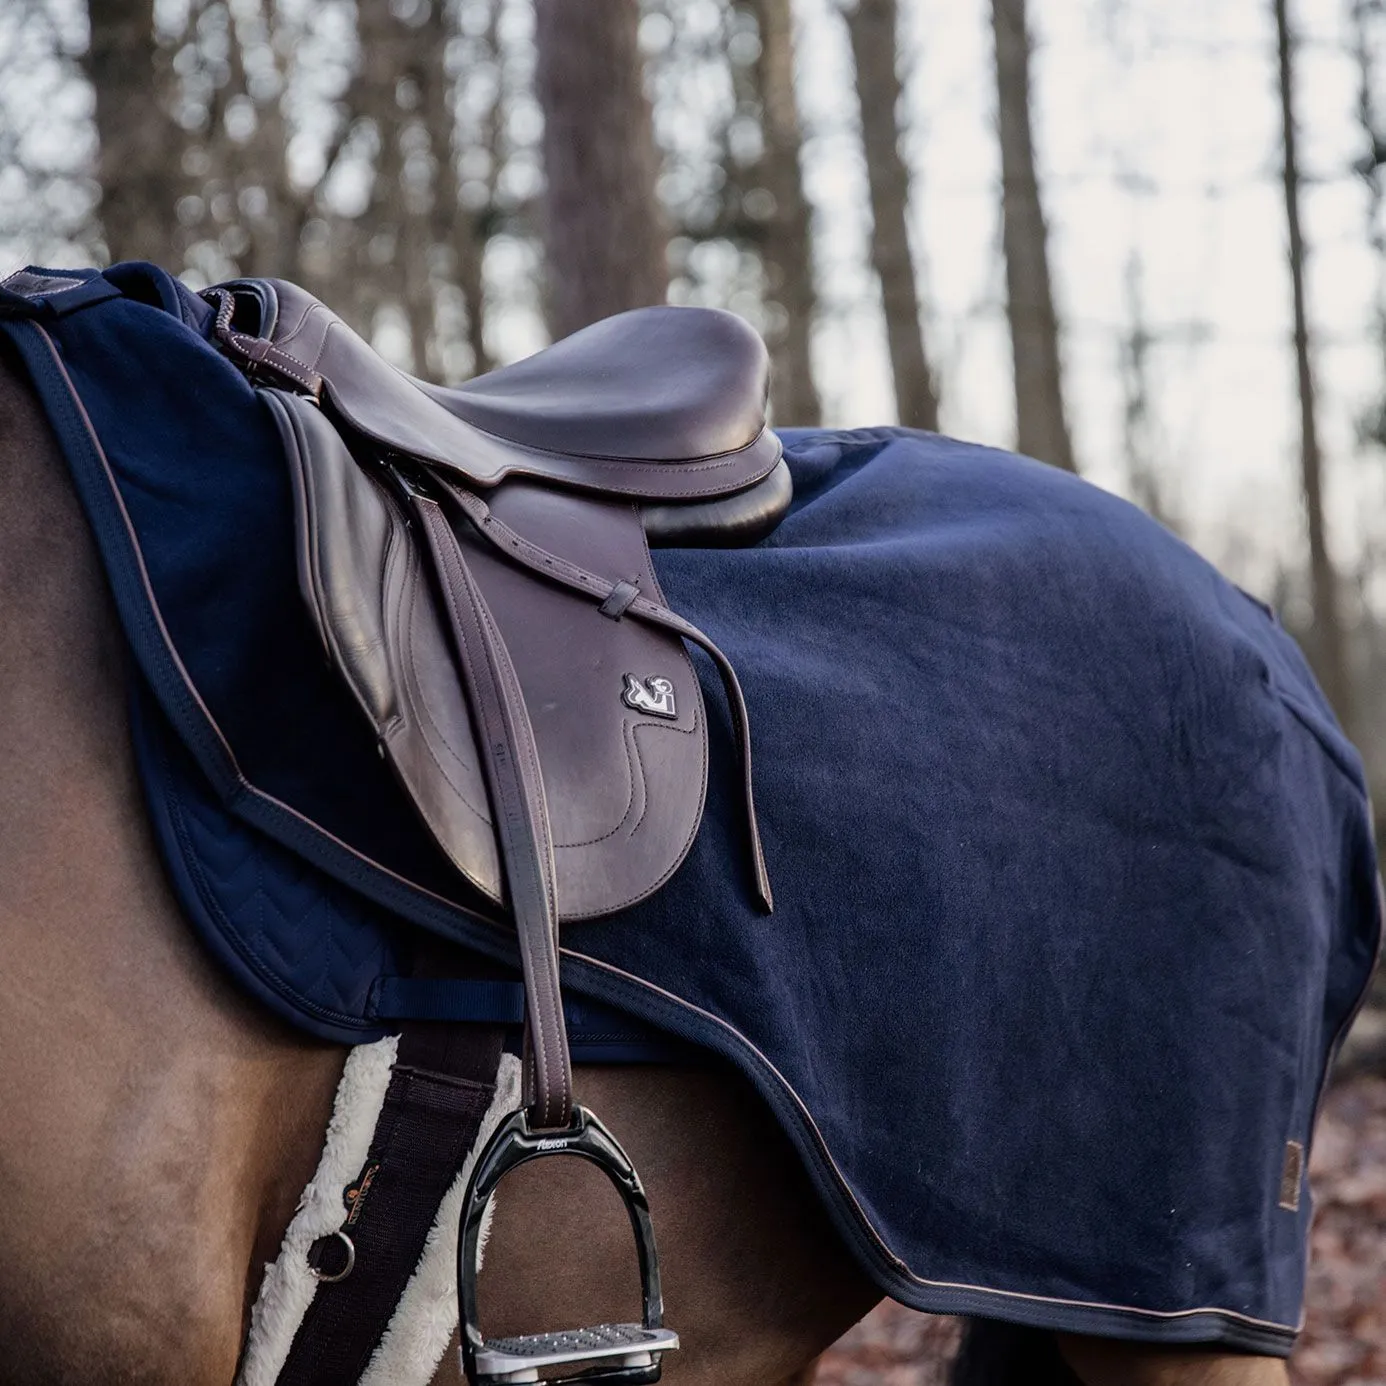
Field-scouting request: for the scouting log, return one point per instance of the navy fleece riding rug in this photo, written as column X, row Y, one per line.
column 1073, row 869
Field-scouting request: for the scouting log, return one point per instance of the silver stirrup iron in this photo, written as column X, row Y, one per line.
column 618, row 1354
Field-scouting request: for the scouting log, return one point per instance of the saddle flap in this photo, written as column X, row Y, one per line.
column 367, row 591
column 615, row 704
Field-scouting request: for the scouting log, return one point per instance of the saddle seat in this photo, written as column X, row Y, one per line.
column 477, row 564
column 655, row 384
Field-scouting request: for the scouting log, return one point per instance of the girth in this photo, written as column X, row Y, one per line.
column 487, row 595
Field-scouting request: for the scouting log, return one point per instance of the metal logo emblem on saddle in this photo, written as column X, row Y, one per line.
column 655, row 696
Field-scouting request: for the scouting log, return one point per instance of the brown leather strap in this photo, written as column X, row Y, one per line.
column 619, row 598
column 260, row 353
column 506, row 741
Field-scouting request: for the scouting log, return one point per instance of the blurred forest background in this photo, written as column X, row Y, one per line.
column 1141, row 239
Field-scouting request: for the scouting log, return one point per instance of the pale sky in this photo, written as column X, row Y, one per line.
column 1157, row 130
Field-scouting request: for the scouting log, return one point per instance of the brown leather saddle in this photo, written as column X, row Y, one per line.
column 476, row 561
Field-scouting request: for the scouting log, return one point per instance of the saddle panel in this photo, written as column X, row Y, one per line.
column 721, row 522
column 624, row 787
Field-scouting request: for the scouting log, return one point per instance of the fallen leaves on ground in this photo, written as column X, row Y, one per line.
column 892, row 1346
column 1344, row 1338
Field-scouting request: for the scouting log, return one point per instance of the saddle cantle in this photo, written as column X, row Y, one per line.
column 476, row 562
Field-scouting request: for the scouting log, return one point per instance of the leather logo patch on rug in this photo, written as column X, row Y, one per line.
column 1291, row 1176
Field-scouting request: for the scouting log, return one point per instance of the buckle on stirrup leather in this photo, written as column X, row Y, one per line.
column 624, row 1353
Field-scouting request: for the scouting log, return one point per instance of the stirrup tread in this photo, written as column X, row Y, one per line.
column 636, row 1349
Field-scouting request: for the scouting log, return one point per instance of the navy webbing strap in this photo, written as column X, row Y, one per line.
column 441, row 1086
column 487, row 1000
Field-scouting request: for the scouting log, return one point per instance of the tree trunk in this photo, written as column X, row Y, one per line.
column 787, row 248
column 1328, row 627
column 138, row 163
column 872, row 26
column 463, row 229
column 1372, row 425
column 274, row 227
column 1041, row 429
column 381, row 235
column 604, row 238
column 452, row 226
column 1141, row 474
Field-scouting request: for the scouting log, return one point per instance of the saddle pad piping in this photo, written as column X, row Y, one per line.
column 189, row 880
column 597, row 1033
column 148, row 636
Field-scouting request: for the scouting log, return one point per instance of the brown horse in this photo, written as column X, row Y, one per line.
column 156, row 1127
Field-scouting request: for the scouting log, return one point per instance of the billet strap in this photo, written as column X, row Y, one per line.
column 441, row 1087
column 505, row 739
column 619, row 598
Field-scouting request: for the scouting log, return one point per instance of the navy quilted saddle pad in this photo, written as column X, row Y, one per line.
column 1075, row 887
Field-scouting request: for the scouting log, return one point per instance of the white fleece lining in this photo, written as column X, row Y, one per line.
column 417, row 1334
column 424, row 1319
column 289, row 1285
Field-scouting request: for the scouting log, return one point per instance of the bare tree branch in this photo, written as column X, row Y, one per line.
column 1041, row 428
column 1328, row 641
